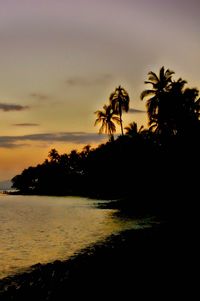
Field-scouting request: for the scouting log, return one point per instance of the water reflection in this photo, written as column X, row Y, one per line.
column 41, row 229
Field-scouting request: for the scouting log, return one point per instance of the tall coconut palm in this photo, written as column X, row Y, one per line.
column 119, row 101
column 107, row 118
column 160, row 85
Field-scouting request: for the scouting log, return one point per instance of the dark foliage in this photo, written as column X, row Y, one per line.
column 153, row 168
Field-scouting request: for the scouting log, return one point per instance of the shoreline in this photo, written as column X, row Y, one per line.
column 124, row 260
column 127, row 205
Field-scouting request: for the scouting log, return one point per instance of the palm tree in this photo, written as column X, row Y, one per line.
column 119, row 101
column 54, row 155
column 192, row 103
column 132, row 129
column 107, row 117
column 171, row 108
column 185, row 108
column 160, row 85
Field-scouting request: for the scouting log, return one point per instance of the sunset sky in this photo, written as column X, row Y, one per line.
column 61, row 59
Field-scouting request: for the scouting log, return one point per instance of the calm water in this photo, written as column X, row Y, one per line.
column 42, row 229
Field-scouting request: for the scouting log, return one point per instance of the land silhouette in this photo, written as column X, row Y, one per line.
column 150, row 171
column 156, row 162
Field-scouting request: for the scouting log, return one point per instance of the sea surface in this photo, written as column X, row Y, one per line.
column 42, row 229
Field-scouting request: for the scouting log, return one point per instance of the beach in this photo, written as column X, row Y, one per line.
column 143, row 262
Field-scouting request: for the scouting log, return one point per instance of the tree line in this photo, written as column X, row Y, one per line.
column 162, row 157
column 172, row 109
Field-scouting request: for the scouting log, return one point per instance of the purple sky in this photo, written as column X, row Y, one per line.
column 60, row 60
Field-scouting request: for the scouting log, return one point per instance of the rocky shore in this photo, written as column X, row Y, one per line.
column 143, row 262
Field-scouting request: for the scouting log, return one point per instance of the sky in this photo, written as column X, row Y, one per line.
column 61, row 59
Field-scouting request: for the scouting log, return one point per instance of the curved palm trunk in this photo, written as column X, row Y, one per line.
column 111, row 136
column 121, row 126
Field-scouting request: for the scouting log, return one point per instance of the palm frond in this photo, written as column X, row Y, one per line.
column 97, row 121
column 103, row 128
column 116, row 119
column 146, row 93
column 152, row 106
column 125, row 104
column 141, row 129
column 169, row 73
column 112, row 96
column 152, row 127
column 153, row 77
column 100, row 113
column 162, row 73
column 131, row 129
column 112, row 127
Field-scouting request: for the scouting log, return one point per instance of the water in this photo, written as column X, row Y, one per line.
column 42, row 229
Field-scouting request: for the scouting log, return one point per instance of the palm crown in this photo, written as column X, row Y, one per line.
column 107, row 117
column 160, row 85
column 119, row 101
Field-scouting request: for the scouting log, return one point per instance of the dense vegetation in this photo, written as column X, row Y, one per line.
column 160, row 163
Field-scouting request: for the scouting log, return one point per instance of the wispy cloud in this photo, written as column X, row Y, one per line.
column 136, row 111
column 6, row 107
column 11, row 144
column 68, row 137
column 84, row 81
column 25, row 124
column 39, row 96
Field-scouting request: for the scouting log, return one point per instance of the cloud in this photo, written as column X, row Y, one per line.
column 83, row 81
column 136, row 111
column 12, row 107
column 26, row 124
column 39, row 96
column 68, row 137
column 11, row 145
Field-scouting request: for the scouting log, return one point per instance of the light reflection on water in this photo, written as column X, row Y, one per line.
column 42, row 229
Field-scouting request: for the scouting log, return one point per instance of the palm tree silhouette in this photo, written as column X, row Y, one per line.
column 107, row 117
column 171, row 108
column 119, row 101
column 132, row 129
column 185, row 107
column 192, row 103
column 54, row 155
column 160, row 85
